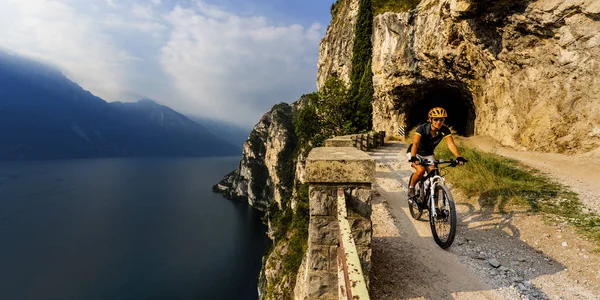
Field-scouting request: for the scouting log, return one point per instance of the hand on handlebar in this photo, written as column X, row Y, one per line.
column 415, row 160
column 461, row 160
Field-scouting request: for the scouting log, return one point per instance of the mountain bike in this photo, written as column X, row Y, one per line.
column 431, row 194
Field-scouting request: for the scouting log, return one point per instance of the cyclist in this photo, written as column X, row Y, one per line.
column 427, row 137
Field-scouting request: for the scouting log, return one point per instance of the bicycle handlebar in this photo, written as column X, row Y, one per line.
column 452, row 163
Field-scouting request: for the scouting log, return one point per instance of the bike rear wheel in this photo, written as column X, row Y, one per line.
column 443, row 226
column 415, row 210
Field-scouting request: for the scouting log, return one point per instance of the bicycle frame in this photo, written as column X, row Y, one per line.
column 432, row 189
column 435, row 179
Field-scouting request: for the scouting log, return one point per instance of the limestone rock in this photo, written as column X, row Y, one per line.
column 257, row 180
column 335, row 50
column 522, row 72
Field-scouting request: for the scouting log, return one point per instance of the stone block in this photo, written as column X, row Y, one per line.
column 322, row 201
column 364, row 255
column 362, row 231
column 333, row 253
column 322, row 285
column 382, row 138
column 342, row 141
column 323, row 230
column 359, row 200
column 339, row 165
column 319, row 257
column 363, row 142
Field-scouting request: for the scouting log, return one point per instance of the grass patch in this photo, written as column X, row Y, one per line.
column 381, row 6
column 502, row 183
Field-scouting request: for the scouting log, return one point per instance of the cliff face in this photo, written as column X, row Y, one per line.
column 258, row 179
column 335, row 49
column 264, row 178
column 523, row 72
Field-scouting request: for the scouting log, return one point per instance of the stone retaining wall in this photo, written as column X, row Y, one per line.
column 327, row 169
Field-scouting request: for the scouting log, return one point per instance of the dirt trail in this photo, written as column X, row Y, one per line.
column 407, row 264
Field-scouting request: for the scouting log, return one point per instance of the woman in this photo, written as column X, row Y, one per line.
column 427, row 137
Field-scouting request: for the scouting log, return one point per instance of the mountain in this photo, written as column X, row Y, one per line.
column 234, row 134
column 44, row 115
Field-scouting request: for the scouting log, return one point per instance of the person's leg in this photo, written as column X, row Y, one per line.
column 419, row 171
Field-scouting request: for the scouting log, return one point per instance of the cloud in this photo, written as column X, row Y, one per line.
column 55, row 32
column 143, row 12
column 234, row 67
column 119, row 22
column 197, row 58
column 112, row 3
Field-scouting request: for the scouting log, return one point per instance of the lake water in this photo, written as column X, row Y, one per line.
column 125, row 229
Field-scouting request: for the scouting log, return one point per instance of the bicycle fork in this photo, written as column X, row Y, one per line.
column 435, row 181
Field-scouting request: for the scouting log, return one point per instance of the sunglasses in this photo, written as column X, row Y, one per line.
column 438, row 119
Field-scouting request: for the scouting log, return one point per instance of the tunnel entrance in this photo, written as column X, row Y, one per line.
column 415, row 101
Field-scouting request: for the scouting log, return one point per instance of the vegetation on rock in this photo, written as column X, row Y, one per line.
column 381, row 6
column 292, row 230
column 286, row 159
column 504, row 184
column 361, row 78
column 325, row 114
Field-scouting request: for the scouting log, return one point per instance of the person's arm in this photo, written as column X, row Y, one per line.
column 452, row 147
column 415, row 146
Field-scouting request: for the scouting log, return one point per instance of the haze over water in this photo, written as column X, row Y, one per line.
column 125, row 229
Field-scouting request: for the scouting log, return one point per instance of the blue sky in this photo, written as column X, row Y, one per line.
column 229, row 59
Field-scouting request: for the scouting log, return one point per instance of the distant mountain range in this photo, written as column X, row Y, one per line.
column 234, row 134
column 44, row 115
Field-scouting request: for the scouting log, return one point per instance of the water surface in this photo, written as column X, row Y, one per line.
column 125, row 229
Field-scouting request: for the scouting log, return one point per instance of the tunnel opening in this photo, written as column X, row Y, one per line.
column 414, row 102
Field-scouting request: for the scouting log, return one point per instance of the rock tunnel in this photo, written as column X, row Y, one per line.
column 415, row 101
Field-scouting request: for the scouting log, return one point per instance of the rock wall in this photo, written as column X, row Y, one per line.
column 522, row 72
column 261, row 180
column 257, row 180
column 335, row 49
column 318, row 274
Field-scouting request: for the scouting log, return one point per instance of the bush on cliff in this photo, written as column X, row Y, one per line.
column 361, row 77
column 324, row 114
column 381, row 6
column 503, row 184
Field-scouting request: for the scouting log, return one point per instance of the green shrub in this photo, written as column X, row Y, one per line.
column 299, row 238
column 260, row 174
column 361, row 77
column 381, row 6
column 286, row 159
column 501, row 183
column 334, row 107
column 294, row 225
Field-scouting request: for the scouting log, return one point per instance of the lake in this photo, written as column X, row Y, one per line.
column 126, row 229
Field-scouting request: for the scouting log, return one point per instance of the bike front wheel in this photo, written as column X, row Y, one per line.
column 415, row 210
column 443, row 225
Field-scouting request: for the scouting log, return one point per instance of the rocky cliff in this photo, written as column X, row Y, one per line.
column 265, row 179
column 260, row 175
column 335, row 49
column 522, row 72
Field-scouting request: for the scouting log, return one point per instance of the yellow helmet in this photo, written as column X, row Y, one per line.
column 437, row 112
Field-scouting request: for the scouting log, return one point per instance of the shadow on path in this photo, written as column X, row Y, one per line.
column 407, row 263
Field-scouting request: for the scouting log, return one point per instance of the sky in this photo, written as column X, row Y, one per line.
column 230, row 60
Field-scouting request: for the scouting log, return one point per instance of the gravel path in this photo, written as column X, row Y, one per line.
column 536, row 261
